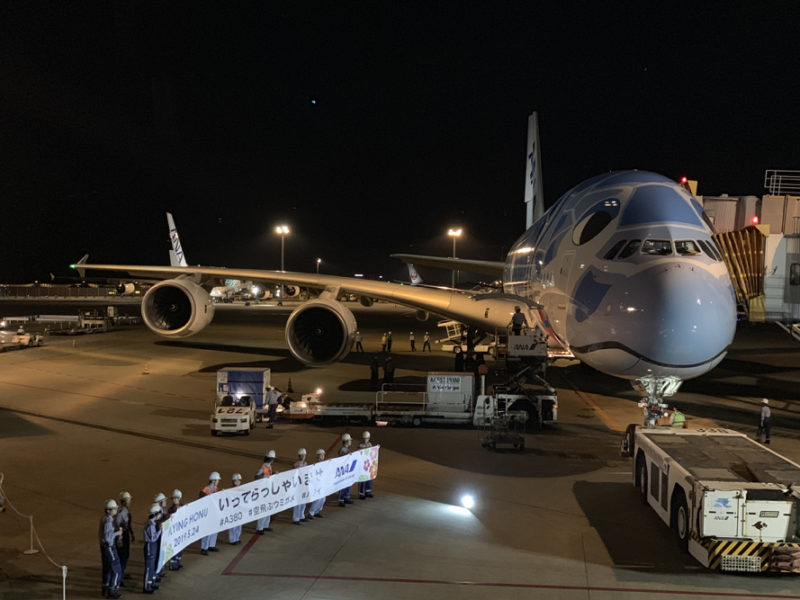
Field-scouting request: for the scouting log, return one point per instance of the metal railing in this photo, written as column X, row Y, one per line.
column 781, row 182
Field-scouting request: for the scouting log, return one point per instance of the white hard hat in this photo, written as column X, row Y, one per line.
column 177, row 494
column 271, row 454
column 765, row 401
column 346, row 437
column 159, row 497
column 320, row 452
column 125, row 496
column 214, row 475
column 237, row 477
column 302, row 452
column 365, row 435
column 111, row 503
column 155, row 509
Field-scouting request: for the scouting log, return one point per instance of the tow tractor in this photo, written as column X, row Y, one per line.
column 19, row 340
column 733, row 503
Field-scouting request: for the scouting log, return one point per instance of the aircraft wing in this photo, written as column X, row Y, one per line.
column 484, row 267
column 485, row 311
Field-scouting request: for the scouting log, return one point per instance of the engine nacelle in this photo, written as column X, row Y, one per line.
column 177, row 308
column 422, row 315
column 365, row 301
column 126, row 289
column 320, row 332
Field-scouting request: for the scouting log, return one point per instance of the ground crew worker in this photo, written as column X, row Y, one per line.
column 315, row 508
column 175, row 563
column 235, row 532
column 209, row 542
column 123, row 521
column 388, row 370
column 107, row 535
column 359, row 346
column 426, row 342
column 344, row 493
column 161, row 499
column 518, row 320
column 389, row 341
column 365, row 487
column 412, row 341
column 373, row 373
column 383, row 342
column 766, row 420
column 273, row 396
column 677, row 419
column 265, row 470
column 152, row 538
column 299, row 511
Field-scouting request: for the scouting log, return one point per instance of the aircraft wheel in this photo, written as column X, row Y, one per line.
column 416, row 421
column 680, row 519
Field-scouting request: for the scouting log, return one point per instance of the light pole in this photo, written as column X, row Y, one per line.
column 282, row 230
column 319, row 260
column 455, row 234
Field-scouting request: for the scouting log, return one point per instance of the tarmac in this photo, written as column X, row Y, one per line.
column 83, row 418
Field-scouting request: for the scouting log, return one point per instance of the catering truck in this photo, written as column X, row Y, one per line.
column 732, row 502
column 239, row 400
column 446, row 398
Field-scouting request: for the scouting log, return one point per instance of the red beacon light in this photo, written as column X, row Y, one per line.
column 754, row 220
column 684, row 180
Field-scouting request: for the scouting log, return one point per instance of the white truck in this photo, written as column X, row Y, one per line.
column 732, row 503
column 447, row 398
column 239, row 401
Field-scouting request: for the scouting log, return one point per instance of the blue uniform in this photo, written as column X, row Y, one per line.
column 209, row 541
column 123, row 521
column 175, row 561
column 344, row 493
column 152, row 537
column 112, row 573
column 365, row 487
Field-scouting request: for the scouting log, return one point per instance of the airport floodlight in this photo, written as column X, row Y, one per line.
column 455, row 234
column 319, row 260
column 282, row 229
column 467, row 501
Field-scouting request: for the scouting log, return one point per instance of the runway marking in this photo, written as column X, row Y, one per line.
column 604, row 416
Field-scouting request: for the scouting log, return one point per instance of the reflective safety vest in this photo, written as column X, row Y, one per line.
column 264, row 471
column 678, row 419
column 207, row 490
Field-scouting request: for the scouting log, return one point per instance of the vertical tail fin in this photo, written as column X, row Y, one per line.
column 176, row 256
column 413, row 275
column 534, row 197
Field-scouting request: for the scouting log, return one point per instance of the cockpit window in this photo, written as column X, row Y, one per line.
column 715, row 248
column 614, row 249
column 687, row 247
column 632, row 247
column 657, row 247
column 709, row 249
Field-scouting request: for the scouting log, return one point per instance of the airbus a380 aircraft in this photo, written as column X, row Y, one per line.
column 621, row 270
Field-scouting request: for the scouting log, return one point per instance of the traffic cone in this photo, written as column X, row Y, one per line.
column 289, row 386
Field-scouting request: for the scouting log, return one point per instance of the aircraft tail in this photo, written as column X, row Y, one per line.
column 534, row 196
column 176, row 256
column 413, row 275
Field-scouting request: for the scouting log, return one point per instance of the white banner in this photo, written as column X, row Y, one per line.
column 251, row 501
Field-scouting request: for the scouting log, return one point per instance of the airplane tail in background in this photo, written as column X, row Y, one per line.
column 413, row 275
column 176, row 256
column 534, row 196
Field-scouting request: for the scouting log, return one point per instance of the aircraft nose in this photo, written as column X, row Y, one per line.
column 688, row 319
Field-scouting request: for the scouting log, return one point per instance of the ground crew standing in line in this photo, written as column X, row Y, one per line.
column 412, row 341
column 426, row 342
column 344, row 493
column 365, row 487
column 766, row 421
column 161, row 499
column 383, row 342
column 315, row 508
column 273, row 396
column 373, row 373
column 677, row 419
column 152, row 538
column 359, row 346
column 265, row 470
column 209, row 542
column 299, row 510
column 123, row 521
column 235, row 532
column 175, row 562
column 389, row 341
column 107, row 534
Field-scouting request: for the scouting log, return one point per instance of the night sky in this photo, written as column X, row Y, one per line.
column 369, row 127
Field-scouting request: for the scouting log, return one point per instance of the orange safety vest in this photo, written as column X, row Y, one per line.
column 265, row 470
column 207, row 490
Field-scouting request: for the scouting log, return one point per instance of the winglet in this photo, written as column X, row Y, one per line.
column 534, row 196
column 77, row 265
column 176, row 256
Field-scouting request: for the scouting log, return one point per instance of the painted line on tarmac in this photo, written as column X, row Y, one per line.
column 604, row 416
column 535, row 586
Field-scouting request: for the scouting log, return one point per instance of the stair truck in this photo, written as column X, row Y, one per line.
column 733, row 503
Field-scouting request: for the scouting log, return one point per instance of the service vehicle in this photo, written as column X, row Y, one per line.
column 17, row 340
column 446, row 398
column 732, row 502
column 239, row 399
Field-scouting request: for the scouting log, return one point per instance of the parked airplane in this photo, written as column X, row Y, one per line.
column 621, row 270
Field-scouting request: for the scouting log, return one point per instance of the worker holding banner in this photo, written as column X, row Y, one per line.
column 209, row 542
column 315, row 508
column 344, row 493
column 265, row 470
column 299, row 510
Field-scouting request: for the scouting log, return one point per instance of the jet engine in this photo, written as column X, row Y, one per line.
column 423, row 315
column 177, row 308
column 365, row 301
column 126, row 289
column 320, row 332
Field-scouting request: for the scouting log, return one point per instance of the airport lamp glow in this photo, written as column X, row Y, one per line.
column 319, row 260
column 455, row 234
column 282, row 230
column 467, row 501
